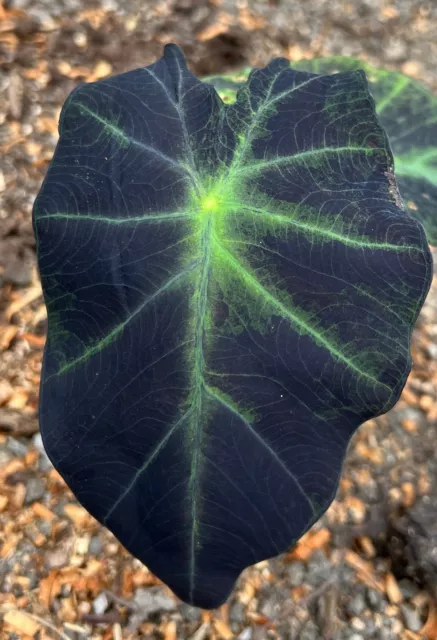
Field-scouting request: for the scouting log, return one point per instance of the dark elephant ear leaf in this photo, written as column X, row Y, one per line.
column 408, row 113
column 231, row 291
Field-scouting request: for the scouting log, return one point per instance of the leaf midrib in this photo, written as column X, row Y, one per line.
column 196, row 398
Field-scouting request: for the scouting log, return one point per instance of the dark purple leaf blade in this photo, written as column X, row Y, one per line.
column 231, row 292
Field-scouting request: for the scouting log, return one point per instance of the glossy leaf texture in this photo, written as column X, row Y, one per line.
column 408, row 113
column 231, row 291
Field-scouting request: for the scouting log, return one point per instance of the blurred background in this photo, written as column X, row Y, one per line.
column 368, row 569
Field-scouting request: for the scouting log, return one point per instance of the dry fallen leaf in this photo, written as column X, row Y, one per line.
column 372, row 454
column 392, row 589
column 37, row 342
column 221, row 25
column 170, row 631
column 409, row 494
column 3, row 503
column 41, row 511
column 77, row 515
column 429, row 630
column 11, row 467
column 222, row 629
column 410, row 635
column 247, row 592
column 49, row 588
column 19, row 398
column 250, row 21
column 409, row 425
column 367, row 546
column 101, row 70
column 7, row 334
column 21, row 622
column 29, row 296
column 6, row 392
column 19, row 495
column 309, row 543
column 356, row 508
column 15, row 94
column 365, row 571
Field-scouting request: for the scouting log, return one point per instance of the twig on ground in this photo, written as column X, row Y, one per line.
column 48, row 625
column 121, row 601
column 105, row 618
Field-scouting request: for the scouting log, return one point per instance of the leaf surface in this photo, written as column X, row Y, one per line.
column 231, row 291
column 408, row 113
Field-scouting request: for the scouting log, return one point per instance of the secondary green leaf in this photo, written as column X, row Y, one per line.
column 408, row 113
column 231, row 291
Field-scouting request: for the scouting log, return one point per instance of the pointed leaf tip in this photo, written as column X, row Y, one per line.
column 172, row 50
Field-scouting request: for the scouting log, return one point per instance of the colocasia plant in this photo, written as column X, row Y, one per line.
column 408, row 113
column 231, row 290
